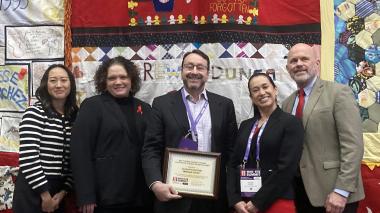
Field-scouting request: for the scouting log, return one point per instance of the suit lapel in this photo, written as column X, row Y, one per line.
column 288, row 106
column 272, row 120
column 312, row 101
column 137, row 108
column 270, row 125
column 216, row 118
column 177, row 107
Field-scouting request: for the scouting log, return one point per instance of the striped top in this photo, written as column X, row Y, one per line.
column 45, row 148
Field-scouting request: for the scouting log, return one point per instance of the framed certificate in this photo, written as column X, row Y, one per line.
column 192, row 173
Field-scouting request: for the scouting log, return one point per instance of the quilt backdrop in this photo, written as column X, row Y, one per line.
column 240, row 36
column 357, row 57
column 31, row 31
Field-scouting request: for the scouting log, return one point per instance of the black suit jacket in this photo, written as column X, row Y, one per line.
column 106, row 161
column 280, row 151
column 168, row 124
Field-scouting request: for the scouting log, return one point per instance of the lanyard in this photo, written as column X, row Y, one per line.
column 193, row 124
column 248, row 148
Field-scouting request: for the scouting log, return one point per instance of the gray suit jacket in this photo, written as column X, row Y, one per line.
column 333, row 147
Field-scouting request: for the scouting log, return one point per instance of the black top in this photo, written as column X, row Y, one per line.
column 126, row 106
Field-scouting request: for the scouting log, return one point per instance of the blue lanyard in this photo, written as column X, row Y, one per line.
column 193, row 124
column 248, row 148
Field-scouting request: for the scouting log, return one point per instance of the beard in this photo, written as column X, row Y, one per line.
column 192, row 86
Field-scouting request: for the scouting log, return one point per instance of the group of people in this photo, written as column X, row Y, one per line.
column 302, row 157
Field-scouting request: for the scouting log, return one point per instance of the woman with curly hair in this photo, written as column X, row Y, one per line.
column 107, row 139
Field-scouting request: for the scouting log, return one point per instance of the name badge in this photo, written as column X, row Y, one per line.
column 250, row 182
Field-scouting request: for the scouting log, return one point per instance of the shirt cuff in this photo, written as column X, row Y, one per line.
column 151, row 185
column 342, row 192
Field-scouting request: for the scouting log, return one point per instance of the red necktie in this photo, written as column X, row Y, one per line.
column 301, row 102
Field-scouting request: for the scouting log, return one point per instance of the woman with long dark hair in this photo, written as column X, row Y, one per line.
column 45, row 175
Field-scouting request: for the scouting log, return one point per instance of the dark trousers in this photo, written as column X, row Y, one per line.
column 303, row 204
column 199, row 206
column 121, row 209
column 25, row 200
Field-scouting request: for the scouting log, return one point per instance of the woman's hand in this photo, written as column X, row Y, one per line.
column 47, row 203
column 251, row 208
column 240, row 207
column 59, row 196
column 87, row 208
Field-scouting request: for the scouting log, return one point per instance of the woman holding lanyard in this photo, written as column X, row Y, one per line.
column 266, row 155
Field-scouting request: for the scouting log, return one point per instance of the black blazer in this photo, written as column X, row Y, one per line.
column 106, row 162
column 168, row 124
column 280, row 151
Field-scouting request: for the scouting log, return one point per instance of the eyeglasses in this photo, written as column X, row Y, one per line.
column 189, row 67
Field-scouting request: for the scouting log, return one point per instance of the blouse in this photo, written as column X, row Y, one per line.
column 45, row 148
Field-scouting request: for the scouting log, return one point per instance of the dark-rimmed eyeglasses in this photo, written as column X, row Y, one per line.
column 199, row 67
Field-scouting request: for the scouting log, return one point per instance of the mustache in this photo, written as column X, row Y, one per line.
column 299, row 70
column 192, row 76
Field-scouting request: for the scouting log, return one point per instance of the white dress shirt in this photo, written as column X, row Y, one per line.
column 203, row 127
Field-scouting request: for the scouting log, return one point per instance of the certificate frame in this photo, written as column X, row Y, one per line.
column 192, row 173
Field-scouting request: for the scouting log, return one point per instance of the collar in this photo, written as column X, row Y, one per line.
column 275, row 113
column 309, row 86
column 202, row 95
